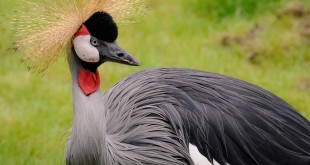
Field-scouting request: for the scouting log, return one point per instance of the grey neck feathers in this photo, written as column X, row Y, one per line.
column 88, row 140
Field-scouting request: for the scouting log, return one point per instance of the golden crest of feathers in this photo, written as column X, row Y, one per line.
column 45, row 29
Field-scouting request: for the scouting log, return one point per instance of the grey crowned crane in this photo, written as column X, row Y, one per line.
column 155, row 116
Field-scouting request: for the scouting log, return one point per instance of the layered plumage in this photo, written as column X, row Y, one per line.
column 229, row 120
column 151, row 116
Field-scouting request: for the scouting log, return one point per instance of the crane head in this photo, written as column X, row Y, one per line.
column 95, row 42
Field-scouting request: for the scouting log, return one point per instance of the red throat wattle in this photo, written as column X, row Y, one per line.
column 89, row 81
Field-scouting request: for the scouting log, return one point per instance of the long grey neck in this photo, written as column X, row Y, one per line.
column 87, row 144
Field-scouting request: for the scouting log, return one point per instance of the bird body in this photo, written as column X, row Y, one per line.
column 156, row 113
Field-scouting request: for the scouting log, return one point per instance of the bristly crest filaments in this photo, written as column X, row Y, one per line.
column 45, row 29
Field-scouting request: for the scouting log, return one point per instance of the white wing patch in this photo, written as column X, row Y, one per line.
column 197, row 158
column 85, row 50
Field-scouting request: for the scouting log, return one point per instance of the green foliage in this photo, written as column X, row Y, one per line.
column 232, row 8
column 268, row 50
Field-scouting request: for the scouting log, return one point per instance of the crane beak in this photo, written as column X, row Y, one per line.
column 114, row 53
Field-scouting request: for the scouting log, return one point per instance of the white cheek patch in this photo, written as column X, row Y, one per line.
column 85, row 50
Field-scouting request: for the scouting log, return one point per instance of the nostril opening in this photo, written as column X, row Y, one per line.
column 120, row 55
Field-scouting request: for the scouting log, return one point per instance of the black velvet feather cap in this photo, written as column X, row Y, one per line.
column 102, row 26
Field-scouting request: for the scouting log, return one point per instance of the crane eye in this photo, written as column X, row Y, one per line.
column 94, row 41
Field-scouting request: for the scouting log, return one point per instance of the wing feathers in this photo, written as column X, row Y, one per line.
column 228, row 120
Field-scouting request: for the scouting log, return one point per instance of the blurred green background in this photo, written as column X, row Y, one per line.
column 265, row 42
